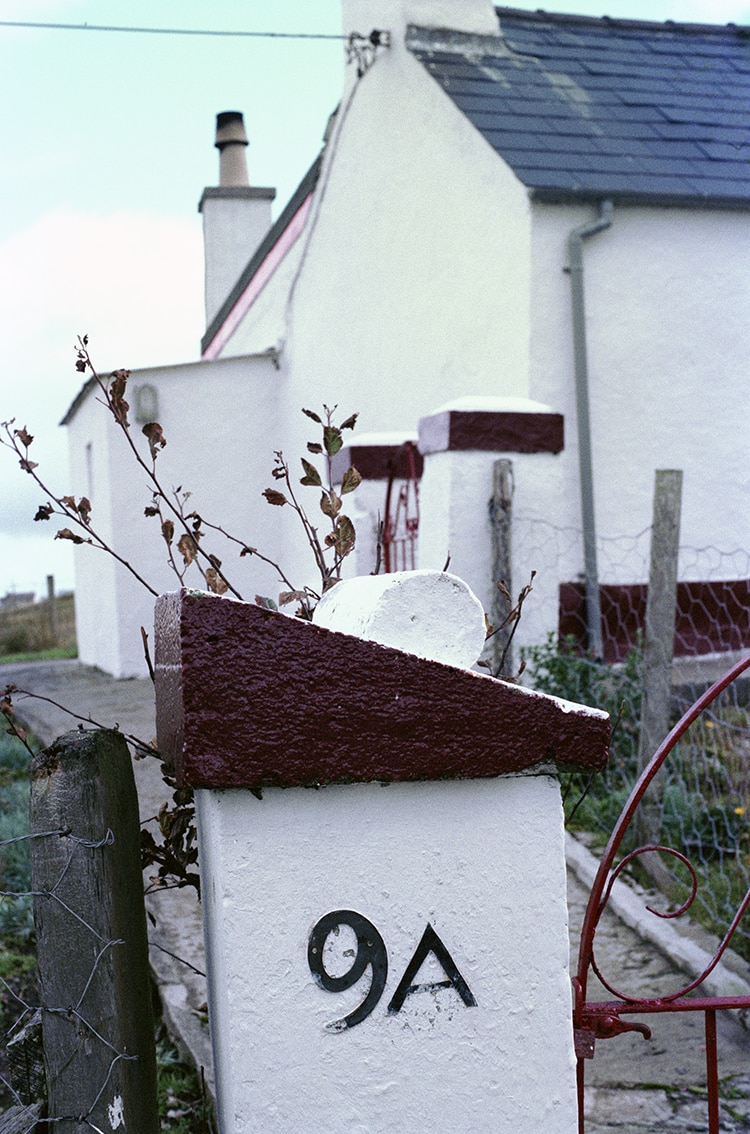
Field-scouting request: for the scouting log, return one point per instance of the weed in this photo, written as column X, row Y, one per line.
column 704, row 785
column 183, row 1105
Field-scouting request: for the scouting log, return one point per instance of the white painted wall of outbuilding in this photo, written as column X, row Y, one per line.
column 219, row 420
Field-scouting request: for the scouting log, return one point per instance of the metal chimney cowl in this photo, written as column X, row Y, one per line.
column 236, row 215
column 231, row 142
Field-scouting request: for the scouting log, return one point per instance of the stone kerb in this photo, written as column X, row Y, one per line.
column 388, row 952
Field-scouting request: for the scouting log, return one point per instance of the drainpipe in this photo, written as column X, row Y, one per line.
column 575, row 269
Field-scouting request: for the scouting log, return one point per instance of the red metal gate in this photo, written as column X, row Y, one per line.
column 401, row 523
column 601, row 1020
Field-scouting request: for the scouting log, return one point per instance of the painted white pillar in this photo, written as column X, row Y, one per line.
column 460, row 444
column 382, row 862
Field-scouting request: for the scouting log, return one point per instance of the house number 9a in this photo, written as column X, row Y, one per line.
column 371, row 951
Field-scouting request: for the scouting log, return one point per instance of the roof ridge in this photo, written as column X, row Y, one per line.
column 467, row 43
column 542, row 16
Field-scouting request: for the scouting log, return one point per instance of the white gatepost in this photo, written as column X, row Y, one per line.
column 460, row 444
column 382, row 862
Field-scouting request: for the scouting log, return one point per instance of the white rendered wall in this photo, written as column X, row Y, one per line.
column 667, row 303
column 412, row 277
column 221, row 427
column 97, row 577
column 482, row 861
column 477, row 16
column 233, row 227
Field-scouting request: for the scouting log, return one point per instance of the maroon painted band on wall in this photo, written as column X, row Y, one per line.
column 247, row 697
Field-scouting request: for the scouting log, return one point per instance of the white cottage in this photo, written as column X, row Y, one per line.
column 486, row 169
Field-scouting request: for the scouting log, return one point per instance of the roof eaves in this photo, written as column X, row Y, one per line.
column 300, row 195
column 151, row 373
column 78, row 401
column 552, row 195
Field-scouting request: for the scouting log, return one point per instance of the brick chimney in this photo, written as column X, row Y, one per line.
column 236, row 215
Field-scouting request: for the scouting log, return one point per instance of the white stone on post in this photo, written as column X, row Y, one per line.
column 389, row 951
column 431, row 614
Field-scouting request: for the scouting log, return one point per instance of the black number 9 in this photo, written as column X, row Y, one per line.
column 370, row 951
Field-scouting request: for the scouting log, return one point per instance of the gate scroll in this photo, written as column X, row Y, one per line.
column 600, row 1020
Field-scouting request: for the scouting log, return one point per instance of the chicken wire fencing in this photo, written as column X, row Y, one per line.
column 78, row 1020
column 701, row 797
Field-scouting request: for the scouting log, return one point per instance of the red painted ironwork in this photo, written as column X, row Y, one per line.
column 401, row 523
column 600, row 1020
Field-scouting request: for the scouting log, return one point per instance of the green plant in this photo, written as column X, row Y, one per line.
column 593, row 803
column 16, row 918
column 40, row 655
column 183, row 1104
column 16, row 641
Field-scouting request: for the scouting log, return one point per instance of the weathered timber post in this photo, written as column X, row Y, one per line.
column 388, row 951
column 91, row 937
column 501, row 528
column 658, row 651
column 52, row 609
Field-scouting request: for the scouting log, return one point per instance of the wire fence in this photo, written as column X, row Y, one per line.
column 80, row 1024
column 703, row 791
column 79, row 1050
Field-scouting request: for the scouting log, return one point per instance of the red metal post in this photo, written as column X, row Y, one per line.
column 712, row 1072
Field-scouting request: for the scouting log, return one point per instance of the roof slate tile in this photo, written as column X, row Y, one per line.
column 580, row 107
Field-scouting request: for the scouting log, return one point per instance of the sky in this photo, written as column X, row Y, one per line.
column 106, row 143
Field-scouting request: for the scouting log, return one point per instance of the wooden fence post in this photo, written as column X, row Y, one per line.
column 658, row 650
column 91, row 937
column 52, row 608
column 501, row 512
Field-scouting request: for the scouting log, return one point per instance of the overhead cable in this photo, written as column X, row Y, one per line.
column 170, row 31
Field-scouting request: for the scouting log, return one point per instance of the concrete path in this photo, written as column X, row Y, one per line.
column 633, row 1085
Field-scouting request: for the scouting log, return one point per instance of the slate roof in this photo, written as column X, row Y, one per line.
column 584, row 108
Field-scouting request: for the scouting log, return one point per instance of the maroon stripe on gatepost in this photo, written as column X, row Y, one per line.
column 247, row 697
column 498, row 432
column 377, row 462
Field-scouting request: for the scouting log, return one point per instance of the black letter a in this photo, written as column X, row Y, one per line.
column 430, row 943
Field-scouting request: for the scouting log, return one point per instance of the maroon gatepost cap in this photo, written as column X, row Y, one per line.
column 247, row 697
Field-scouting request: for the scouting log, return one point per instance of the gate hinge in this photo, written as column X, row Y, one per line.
column 604, row 1025
column 585, row 1042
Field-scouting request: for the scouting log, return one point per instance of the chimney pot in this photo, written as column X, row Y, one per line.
column 231, row 142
